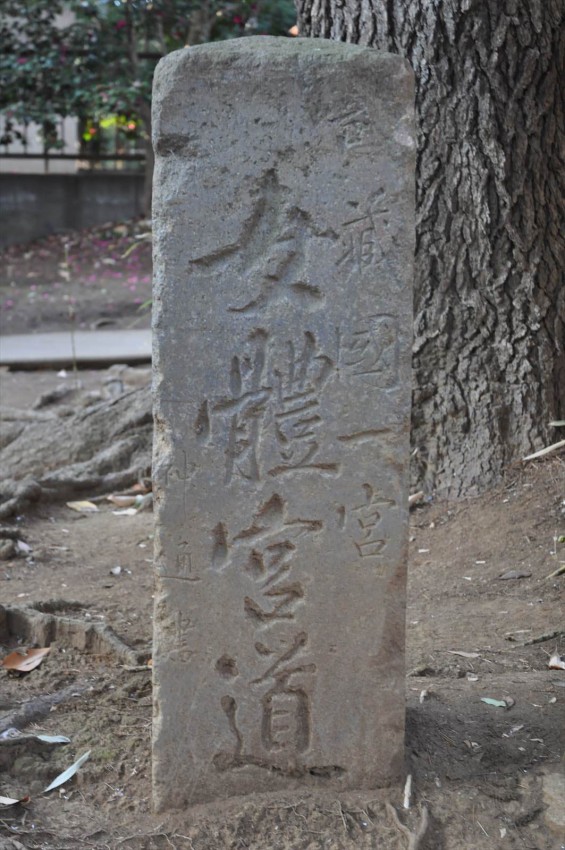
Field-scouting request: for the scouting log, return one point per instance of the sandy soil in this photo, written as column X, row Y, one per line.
column 486, row 775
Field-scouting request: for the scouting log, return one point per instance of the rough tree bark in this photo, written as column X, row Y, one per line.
column 489, row 348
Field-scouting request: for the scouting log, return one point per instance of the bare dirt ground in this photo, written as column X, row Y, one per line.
column 89, row 279
column 488, row 775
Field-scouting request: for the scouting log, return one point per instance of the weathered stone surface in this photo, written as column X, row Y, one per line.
column 554, row 799
column 283, row 227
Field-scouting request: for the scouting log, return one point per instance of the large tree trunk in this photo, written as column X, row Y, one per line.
column 489, row 361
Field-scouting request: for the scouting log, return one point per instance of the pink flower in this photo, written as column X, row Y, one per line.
column 120, row 24
column 21, row 60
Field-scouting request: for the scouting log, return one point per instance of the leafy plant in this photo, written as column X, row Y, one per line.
column 95, row 58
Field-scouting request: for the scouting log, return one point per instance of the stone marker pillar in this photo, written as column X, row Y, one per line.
column 283, row 227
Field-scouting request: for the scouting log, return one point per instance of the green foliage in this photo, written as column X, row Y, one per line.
column 97, row 62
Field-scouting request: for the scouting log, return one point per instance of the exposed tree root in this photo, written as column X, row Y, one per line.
column 103, row 448
column 12, row 414
column 36, row 709
column 414, row 838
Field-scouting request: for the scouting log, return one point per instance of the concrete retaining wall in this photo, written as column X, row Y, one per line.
column 35, row 205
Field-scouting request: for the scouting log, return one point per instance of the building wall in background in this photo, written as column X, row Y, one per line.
column 68, row 132
column 36, row 205
column 24, row 164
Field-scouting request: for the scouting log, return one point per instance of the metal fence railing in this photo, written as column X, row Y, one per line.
column 79, row 148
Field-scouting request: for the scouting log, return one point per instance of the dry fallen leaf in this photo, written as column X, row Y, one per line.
column 68, row 773
column 514, row 574
column 83, row 507
column 13, row 736
column 141, row 488
column 464, row 654
column 24, row 660
column 121, row 501
column 498, row 703
column 9, row 801
column 142, row 503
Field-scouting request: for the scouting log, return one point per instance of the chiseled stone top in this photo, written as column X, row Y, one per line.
column 283, row 229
